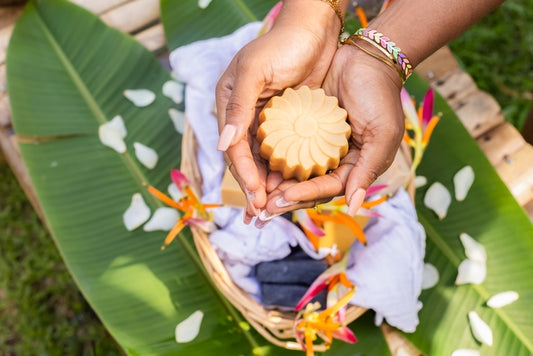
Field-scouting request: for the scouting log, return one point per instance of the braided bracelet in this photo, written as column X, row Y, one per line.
column 397, row 55
column 335, row 6
column 387, row 60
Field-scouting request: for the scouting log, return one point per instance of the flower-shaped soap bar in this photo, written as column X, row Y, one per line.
column 303, row 133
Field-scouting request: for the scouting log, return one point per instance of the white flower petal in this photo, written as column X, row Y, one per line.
column 420, row 181
column 438, row 199
column 178, row 119
column 462, row 181
column 473, row 249
column 471, row 272
column 502, row 299
column 163, row 219
column 137, row 213
column 202, row 4
column 111, row 137
column 466, row 352
column 480, row 329
column 189, row 328
column 402, row 352
column 140, row 97
column 174, row 192
column 118, row 124
column 173, row 90
column 146, row 155
column 430, row 276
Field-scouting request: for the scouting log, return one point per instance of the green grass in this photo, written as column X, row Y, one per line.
column 497, row 52
column 41, row 310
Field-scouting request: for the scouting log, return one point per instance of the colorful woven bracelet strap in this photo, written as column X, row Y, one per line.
column 397, row 54
column 387, row 60
column 335, row 6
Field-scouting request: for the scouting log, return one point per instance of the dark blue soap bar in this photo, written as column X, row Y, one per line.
column 290, row 271
column 286, row 296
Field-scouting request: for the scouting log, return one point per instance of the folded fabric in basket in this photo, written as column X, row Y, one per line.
column 388, row 271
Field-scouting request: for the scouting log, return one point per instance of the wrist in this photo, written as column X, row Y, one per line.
column 318, row 16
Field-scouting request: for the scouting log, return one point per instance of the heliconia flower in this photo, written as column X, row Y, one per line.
column 270, row 18
column 311, row 323
column 420, row 123
column 193, row 212
column 327, row 279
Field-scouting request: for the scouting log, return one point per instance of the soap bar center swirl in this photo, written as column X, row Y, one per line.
column 305, row 126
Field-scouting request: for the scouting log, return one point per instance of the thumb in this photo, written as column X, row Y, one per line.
column 376, row 156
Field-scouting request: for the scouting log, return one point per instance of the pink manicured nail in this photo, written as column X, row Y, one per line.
column 282, row 203
column 266, row 216
column 226, row 137
column 356, row 200
column 250, row 196
column 246, row 219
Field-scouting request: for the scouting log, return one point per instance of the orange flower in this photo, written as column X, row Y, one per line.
column 193, row 212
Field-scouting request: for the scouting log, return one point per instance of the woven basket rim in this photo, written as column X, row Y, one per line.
column 275, row 326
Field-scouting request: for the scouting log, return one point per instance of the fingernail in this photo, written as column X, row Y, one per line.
column 250, row 196
column 282, row 203
column 266, row 216
column 355, row 201
column 226, row 137
column 246, row 219
column 260, row 223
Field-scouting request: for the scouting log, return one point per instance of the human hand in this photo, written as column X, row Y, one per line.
column 370, row 92
column 295, row 52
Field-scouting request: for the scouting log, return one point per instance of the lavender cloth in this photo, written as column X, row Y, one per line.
column 388, row 272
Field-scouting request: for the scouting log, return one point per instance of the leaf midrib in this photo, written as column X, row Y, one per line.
column 479, row 288
column 242, row 6
column 98, row 114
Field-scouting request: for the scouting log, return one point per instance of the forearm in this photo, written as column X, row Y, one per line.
column 420, row 27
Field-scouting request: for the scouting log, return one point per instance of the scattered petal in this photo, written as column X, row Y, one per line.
column 189, row 328
column 173, row 90
column 480, row 329
column 430, row 276
column 146, row 155
column 140, row 97
column 402, row 352
column 163, row 219
column 438, row 199
column 420, row 181
column 178, row 119
column 202, row 4
column 112, row 134
column 118, row 124
column 137, row 213
column 502, row 299
column 466, row 352
column 174, row 192
column 471, row 272
column 473, row 249
column 462, row 181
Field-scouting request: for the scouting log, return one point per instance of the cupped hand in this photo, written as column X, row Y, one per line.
column 370, row 91
column 295, row 52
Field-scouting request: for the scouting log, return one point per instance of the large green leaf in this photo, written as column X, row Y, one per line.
column 66, row 73
column 185, row 22
column 490, row 214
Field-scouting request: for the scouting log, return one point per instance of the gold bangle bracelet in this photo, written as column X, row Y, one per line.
column 381, row 49
column 376, row 56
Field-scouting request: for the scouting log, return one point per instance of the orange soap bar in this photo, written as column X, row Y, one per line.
column 303, row 133
column 231, row 191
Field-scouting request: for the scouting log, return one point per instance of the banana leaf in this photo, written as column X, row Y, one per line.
column 490, row 214
column 66, row 73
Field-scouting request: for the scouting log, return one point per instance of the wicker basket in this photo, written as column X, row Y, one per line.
column 276, row 326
